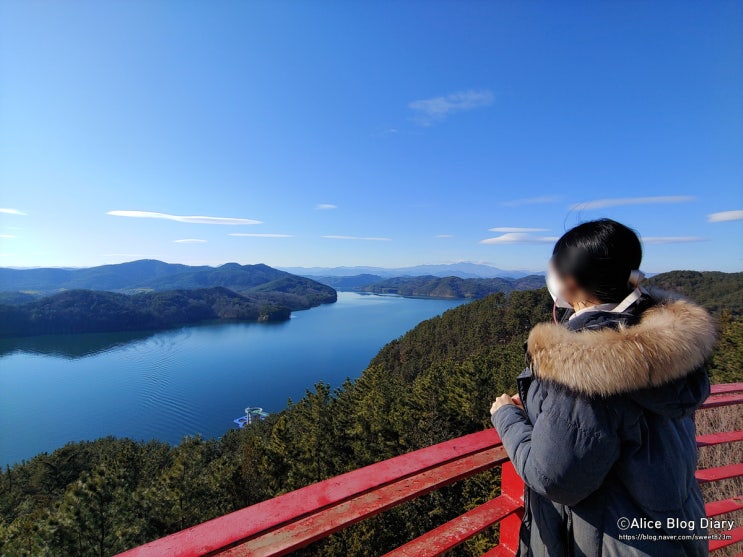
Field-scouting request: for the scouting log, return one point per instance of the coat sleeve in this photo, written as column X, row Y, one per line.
column 566, row 454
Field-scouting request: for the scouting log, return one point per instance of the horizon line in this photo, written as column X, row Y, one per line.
column 282, row 267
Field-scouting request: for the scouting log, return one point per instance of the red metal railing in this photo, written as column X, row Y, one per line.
column 294, row 520
column 723, row 395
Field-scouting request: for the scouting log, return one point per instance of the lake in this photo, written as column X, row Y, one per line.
column 167, row 384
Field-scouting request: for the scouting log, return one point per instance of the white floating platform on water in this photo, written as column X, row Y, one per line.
column 252, row 414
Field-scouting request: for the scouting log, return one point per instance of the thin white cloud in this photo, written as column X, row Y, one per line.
column 436, row 109
column 671, row 239
column 444, row 236
column 516, row 229
column 190, row 241
column 617, row 202
column 532, row 200
column 725, row 216
column 519, row 238
column 7, row 211
column 260, row 235
column 325, row 206
column 364, row 238
column 179, row 218
column 6, row 236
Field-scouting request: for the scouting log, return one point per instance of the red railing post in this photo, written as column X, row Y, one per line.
column 512, row 486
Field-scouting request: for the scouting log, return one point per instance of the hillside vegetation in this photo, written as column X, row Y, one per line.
column 432, row 384
column 715, row 290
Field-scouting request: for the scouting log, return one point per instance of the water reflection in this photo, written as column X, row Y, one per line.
column 71, row 346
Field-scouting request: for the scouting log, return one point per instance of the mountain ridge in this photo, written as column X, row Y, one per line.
column 153, row 275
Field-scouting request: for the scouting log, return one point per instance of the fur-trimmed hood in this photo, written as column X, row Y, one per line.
column 670, row 341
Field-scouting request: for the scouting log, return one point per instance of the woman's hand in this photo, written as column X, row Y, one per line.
column 505, row 400
column 502, row 400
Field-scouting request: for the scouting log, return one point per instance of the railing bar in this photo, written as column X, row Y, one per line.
column 726, row 388
column 234, row 527
column 736, row 534
column 458, row 530
column 719, row 473
column 300, row 533
column 715, row 401
column 716, row 508
column 719, row 438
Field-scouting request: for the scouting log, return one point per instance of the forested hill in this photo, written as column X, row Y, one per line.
column 452, row 287
column 158, row 295
column 90, row 311
column 715, row 290
column 434, row 383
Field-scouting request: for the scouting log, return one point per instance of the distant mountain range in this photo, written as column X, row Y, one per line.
column 461, row 270
column 149, row 275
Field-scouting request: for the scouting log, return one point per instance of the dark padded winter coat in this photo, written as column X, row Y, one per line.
column 607, row 435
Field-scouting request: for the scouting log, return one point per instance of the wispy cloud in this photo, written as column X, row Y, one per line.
column 444, row 236
column 190, row 241
column 516, row 229
column 532, row 200
column 260, row 235
column 7, row 211
column 364, row 238
column 6, row 236
column 179, row 218
column 519, row 238
column 325, row 206
column 725, row 216
column 436, row 109
column 671, row 239
column 619, row 201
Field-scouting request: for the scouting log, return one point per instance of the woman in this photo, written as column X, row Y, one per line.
column 604, row 439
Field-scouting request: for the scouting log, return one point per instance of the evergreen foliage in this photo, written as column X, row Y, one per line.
column 88, row 311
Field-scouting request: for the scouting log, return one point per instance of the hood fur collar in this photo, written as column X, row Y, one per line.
column 670, row 341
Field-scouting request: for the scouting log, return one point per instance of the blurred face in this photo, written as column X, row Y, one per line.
column 565, row 290
column 557, row 288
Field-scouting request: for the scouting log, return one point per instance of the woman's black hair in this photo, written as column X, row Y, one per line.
column 599, row 255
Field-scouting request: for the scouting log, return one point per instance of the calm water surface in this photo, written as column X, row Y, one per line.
column 165, row 385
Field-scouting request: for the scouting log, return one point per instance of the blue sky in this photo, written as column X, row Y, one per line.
column 377, row 133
